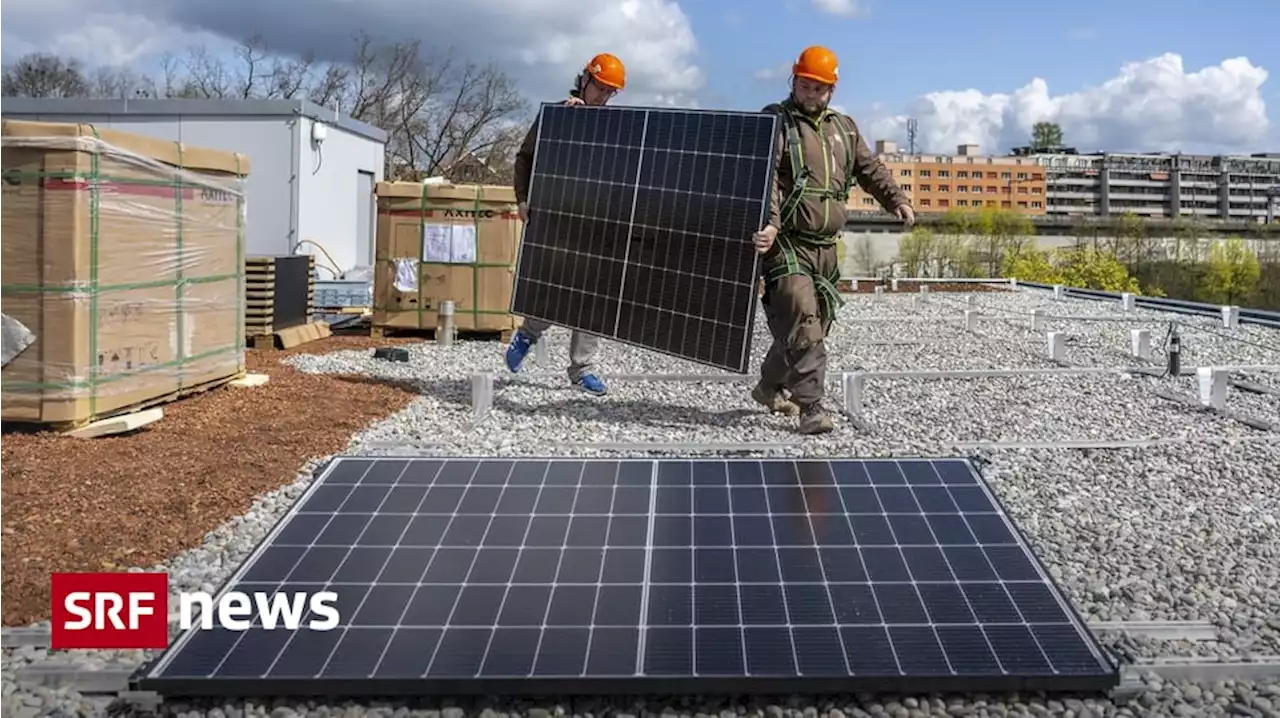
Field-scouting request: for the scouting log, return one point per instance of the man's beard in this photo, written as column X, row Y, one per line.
column 810, row 108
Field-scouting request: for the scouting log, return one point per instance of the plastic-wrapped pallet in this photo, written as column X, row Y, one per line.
column 124, row 256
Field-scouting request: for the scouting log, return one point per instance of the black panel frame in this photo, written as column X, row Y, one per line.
column 148, row 678
column 742, row 366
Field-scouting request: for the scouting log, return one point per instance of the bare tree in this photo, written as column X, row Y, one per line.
column 43, row 75
column 436, row 110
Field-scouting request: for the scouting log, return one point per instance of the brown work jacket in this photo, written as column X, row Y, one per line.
column 821, row 211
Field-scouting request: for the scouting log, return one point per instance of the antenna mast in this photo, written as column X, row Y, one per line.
column 913, row 129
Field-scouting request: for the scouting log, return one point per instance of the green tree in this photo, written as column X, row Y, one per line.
column 1089, row 268
column 1046, row 136
column 916, row 250
column 1033, row 264
column 1233, row 272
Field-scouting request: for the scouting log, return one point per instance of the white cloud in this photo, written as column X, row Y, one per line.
column 541, row 45
column 1152, row 105
column 845, row 8
column 777, row 72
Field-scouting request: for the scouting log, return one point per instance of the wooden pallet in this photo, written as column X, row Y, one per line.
column 170, row 397
column 503, row 335
column 291, row 337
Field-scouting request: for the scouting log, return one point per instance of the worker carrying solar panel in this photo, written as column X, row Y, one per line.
column 598, row 82
column 820, row 154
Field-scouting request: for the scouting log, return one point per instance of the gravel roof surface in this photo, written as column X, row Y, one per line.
column 1183, row 527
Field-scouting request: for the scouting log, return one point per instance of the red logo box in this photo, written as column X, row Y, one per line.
column 110, row 611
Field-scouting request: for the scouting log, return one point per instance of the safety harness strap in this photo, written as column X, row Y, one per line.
column 829, row 298
column 801, row 172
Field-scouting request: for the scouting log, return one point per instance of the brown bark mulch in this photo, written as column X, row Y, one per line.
column 137, row 500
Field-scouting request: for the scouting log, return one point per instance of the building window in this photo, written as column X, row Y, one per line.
column 944, row 188
column 1036, row 205
column 906, row 188
column 904, row 173
column 991, row 175
column 1036, row 190
column 1022, row 175
column 991, row 203
column 944, row 173
column 1022, row 190
column 992, row 189
column 926, row 173
column 1004, row 205
column 944, row 203
column 925, row 202
column 1022, row 205
column 962, row 203
column 926, row 188
column 977, row 188
column 1037, row 176
column 962, row 188
column 1005, row 175
column 868, row 201
column 963, row 174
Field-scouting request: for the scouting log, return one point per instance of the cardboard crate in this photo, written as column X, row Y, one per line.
column 448, row 242
column 124, row 255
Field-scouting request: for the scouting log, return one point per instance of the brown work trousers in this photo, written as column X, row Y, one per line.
column 797, row 361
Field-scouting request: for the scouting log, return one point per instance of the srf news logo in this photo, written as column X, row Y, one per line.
column 131, row 610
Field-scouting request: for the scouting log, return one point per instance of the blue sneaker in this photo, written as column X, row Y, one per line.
column 591, row 384
column 518, row 349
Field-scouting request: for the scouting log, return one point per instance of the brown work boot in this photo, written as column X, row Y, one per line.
column 815, row 420
column 774, row 400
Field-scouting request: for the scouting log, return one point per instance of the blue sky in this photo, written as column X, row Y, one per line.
column 900, row 50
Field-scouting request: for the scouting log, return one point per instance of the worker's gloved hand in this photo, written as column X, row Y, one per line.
column 574, row 101
column 522, row 209
column 763, row 240
column 906, row 213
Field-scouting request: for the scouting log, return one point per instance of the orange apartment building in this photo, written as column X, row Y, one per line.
column 964, row 181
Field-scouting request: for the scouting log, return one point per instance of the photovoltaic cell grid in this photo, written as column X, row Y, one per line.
column 640, row 227
column 524, row 576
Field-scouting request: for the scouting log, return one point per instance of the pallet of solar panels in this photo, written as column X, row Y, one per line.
column 440, row 242
column 279, row 295
column 123, row 260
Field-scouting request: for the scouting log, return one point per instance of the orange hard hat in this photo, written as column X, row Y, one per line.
column 607, row 70
column 817, row 63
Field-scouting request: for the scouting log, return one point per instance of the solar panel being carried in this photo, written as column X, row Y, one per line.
column 503, row 577
column 640, row 227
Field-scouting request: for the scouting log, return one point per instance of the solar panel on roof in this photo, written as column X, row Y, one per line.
column 501, row 576
column 640, row 227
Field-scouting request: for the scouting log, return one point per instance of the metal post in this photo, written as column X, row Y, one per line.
column 1057, row 346
column 1213, row 387
column 1127, row 303
column 970, row 319
column 445, row 327
column 879, row 291
column 481, row 394
column 1140, row 343
column 971, row 300
column 1058, row 292
column 1231, row 317
column 893, row 284
column 854, row 384
column 1037, row 320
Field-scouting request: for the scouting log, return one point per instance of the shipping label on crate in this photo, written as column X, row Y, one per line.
column 449, row 243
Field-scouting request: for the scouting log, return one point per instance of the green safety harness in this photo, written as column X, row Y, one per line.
column 828, row 296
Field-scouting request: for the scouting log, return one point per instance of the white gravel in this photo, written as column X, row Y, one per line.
column 1185, row 529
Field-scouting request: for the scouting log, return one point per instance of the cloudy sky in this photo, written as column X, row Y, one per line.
column 1184, row 75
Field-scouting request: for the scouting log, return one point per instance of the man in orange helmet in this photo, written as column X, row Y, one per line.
column 820, row 154
column 598, row 82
